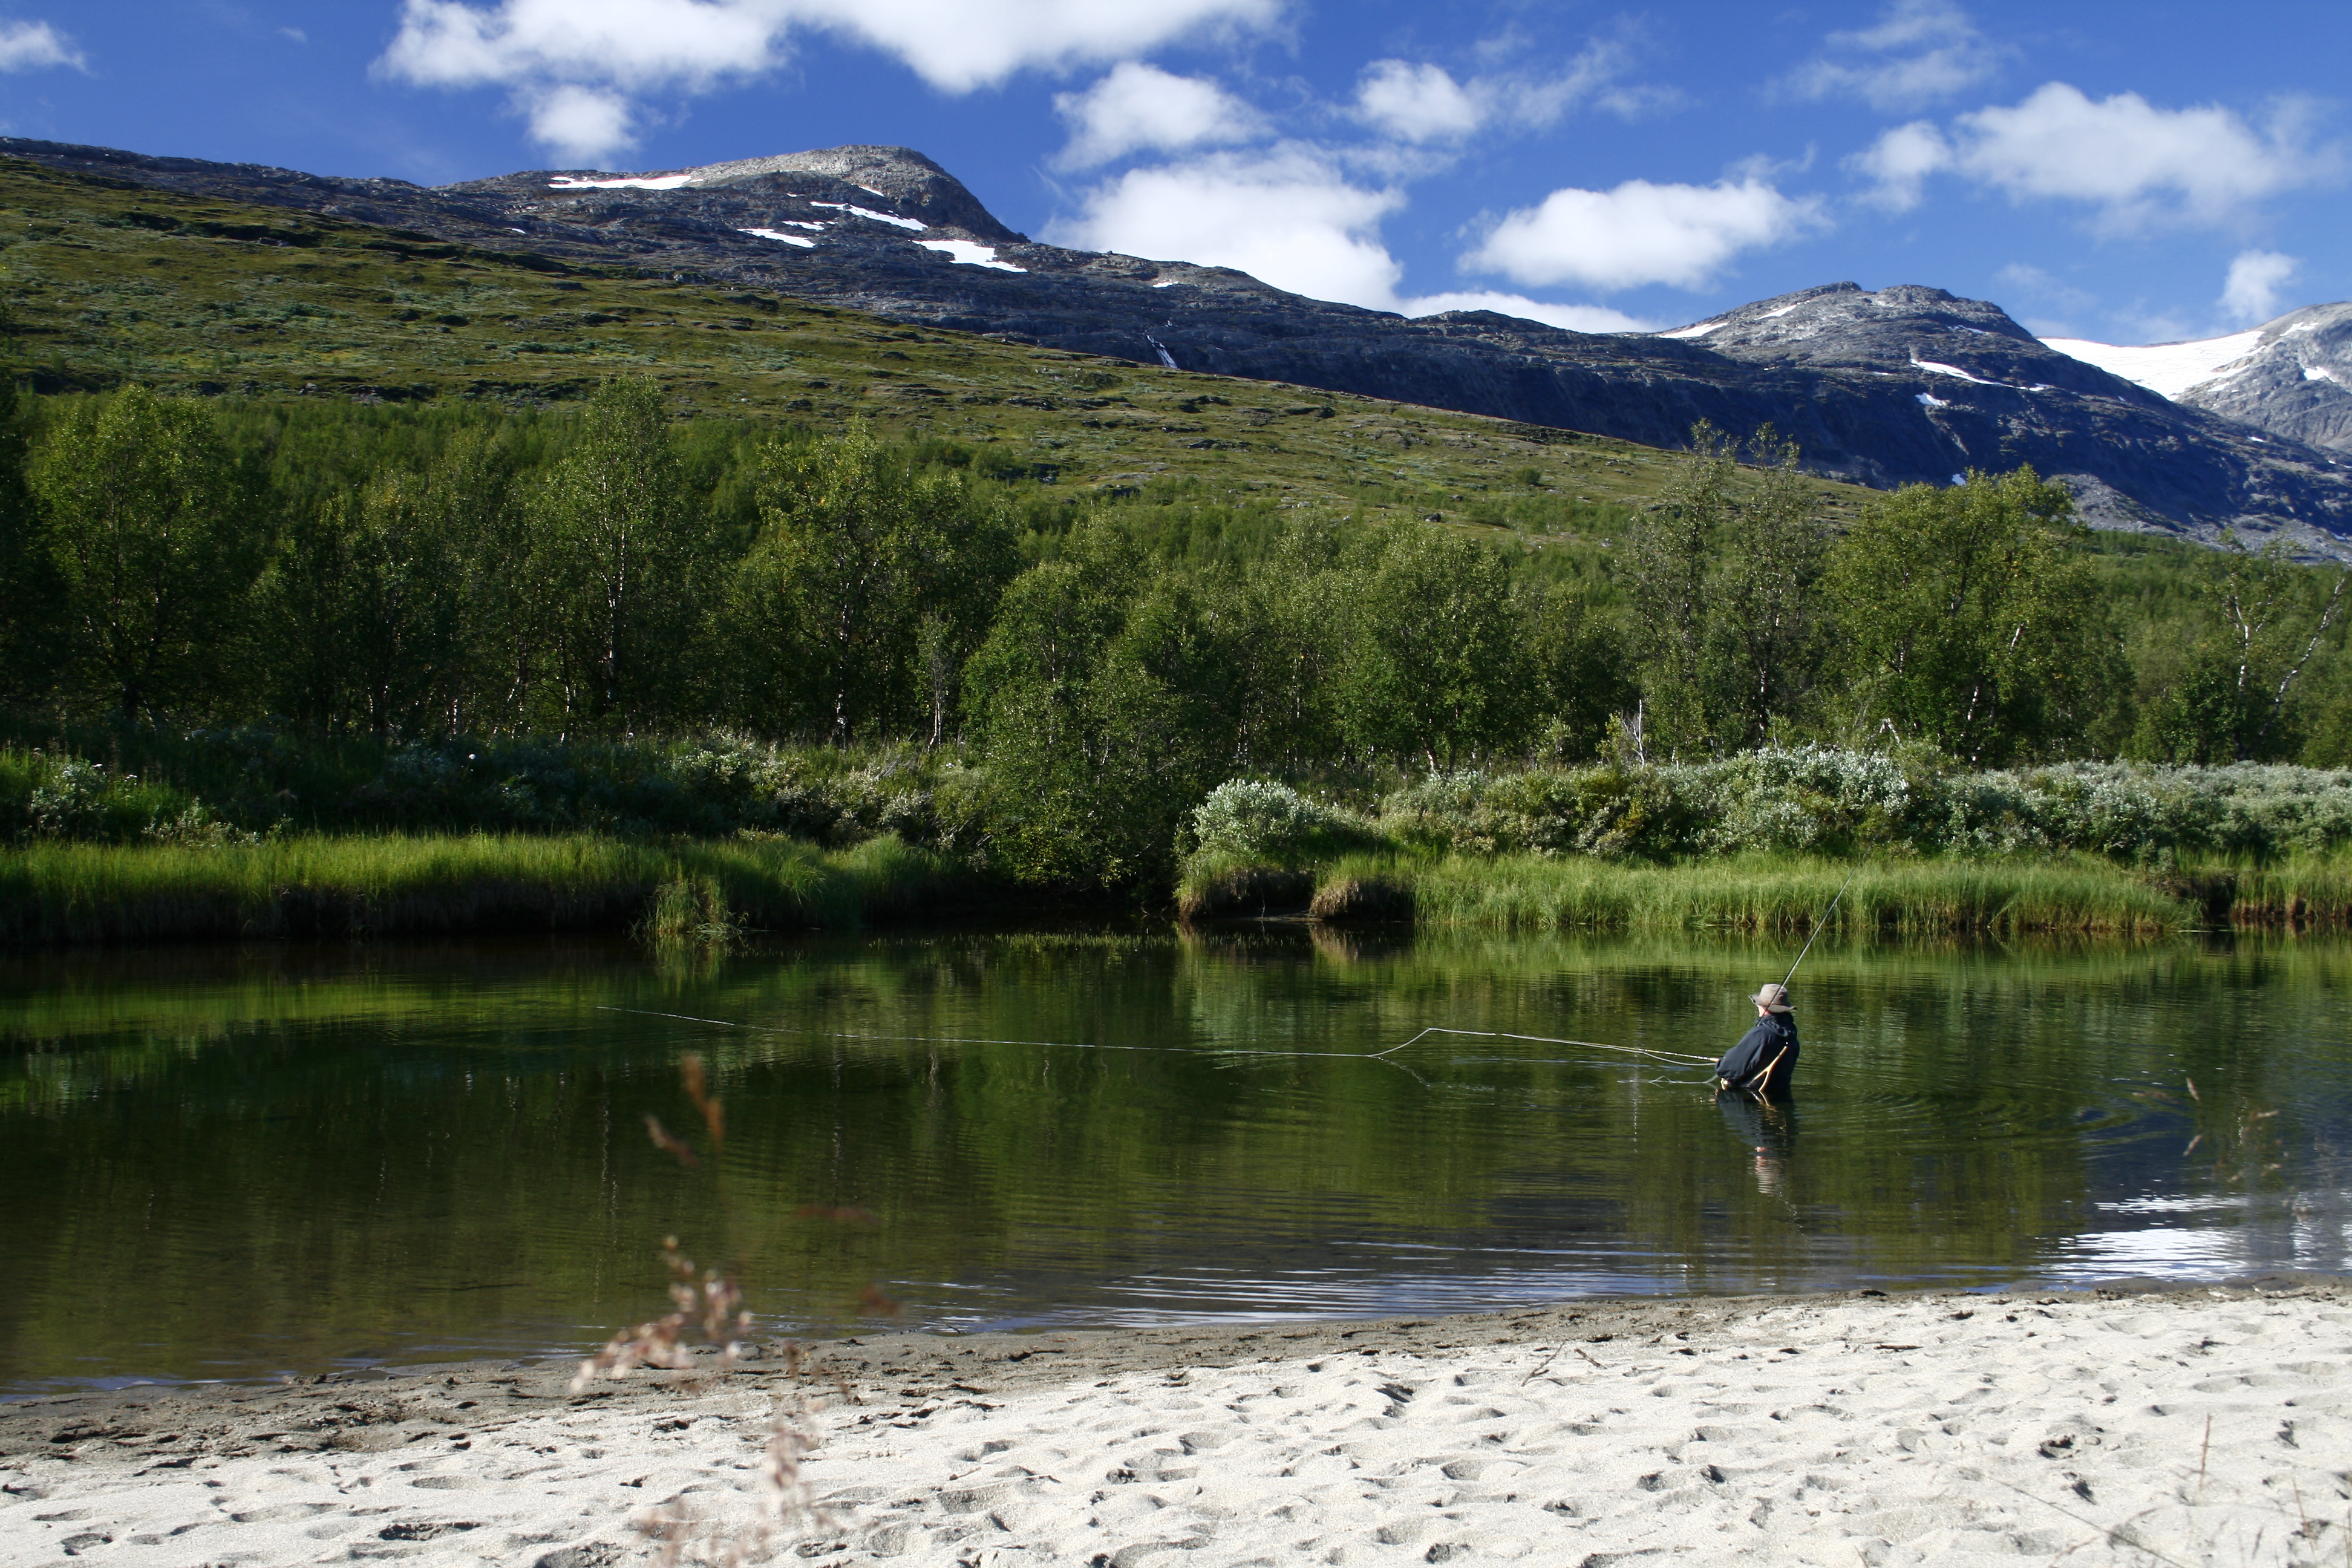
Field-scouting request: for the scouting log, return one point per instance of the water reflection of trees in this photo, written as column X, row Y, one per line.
column 314, row 1154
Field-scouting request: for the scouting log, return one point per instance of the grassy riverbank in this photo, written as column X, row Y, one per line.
column 2000, row 895
column 401, row 885
column 308, row 886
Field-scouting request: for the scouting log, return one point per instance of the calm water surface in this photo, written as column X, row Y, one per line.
column 234, row 1164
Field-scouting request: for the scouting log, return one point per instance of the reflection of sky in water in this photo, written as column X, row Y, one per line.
column 2162, row 1252
column 2245, row 1233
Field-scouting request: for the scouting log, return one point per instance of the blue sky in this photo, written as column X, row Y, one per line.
column 2131, row 172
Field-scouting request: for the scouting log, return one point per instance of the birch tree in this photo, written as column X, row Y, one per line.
column 1966, row 620
column 152, row 547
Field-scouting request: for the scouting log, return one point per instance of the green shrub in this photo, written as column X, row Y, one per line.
column 68, row 798
column 1269, row 824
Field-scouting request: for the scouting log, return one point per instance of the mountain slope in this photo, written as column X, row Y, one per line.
column 2291, row 376
column 106, row 282
column 1901, row 385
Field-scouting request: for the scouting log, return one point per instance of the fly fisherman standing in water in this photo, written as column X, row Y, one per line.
column 1764, row 1062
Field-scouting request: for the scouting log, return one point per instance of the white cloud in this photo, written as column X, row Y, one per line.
column 1574, row 318
column 1423, row 103
column 539, row 47
column 2135, row 162
column 1288, row 216
column 2250, row 293
column 1920, row 50
column 33, row 46
column 1899, row 163
column 1138, row 106
column 579, row 124
column 1641, row 233
column 2127, row 155
column 1291, row 217
column 1416, row 103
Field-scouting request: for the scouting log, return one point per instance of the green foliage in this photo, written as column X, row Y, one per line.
column 251, row 783
column 31, row 592
column 1106, row 704
column 530, row 598
column 1436, row 666
column 365, row 608
column 1967, row 621
column 1606, row 811
column 71, row 798
column 1723, row 584
column 1580, row 664
column 148, row 526
column 1288, row 614
column 872, row 583
column 2230, row 699
column 626, row 564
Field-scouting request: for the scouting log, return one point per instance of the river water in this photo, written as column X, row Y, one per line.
column 241, row 1162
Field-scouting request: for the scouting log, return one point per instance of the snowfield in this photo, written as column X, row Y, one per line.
column 2170, row 369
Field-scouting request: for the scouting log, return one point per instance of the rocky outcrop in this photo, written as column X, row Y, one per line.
column 1897, row 386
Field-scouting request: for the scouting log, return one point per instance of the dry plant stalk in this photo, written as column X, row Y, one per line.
column 711, row 1304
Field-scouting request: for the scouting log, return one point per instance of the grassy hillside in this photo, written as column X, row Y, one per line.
column 106, row 283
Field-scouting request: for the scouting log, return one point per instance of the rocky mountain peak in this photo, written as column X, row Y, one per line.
column 1905, row 329
column 897, row 181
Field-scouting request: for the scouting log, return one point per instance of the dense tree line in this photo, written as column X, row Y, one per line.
column 616, row 571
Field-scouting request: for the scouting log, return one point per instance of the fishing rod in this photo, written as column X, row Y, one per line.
column 1824, row 921
column 1765, row 1077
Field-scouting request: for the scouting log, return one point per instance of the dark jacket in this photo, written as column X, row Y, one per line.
column 1772, row 1040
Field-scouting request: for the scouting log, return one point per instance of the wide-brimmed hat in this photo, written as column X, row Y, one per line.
column 1773, row 997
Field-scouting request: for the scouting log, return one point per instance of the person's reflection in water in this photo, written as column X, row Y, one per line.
column 1768, row 1127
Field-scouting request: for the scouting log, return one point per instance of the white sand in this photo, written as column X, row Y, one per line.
column 2191, row 1428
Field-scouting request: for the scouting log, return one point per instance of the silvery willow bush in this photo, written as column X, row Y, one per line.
column 1247, row 819
column 1815, row 799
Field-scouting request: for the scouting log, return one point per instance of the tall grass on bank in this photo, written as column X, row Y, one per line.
column 1753, row 893
column 1764, row 893
column 59, row 894
column 2314, row 890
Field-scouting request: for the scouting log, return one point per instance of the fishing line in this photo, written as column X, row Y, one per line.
column 1381, row 1057
column 1535, row 1039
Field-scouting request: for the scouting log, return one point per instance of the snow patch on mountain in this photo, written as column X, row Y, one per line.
column 2169, row 369
column 1934, row 368
column 626, row 183
column 869, row 212
column 969, row 252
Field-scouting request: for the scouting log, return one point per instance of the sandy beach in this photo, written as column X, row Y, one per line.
column 2210, row 1424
